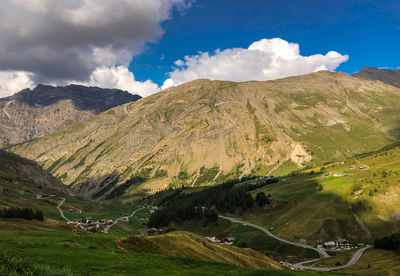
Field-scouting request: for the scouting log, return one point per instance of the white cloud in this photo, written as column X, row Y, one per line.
column 120, row 77
column 265, row 59
column 12, row 82
column 58, row 41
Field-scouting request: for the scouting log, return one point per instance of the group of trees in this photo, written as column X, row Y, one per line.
column 207, row 203
column 262, row 199
column 25, row 213
column 391, row 242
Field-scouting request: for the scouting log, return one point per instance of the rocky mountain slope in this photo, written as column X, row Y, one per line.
column 203, row 132
column 391, row 77
column 38, row 112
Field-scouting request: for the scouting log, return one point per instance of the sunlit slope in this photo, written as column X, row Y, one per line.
column 360, row 204
column 206, row 131
column 191, row 246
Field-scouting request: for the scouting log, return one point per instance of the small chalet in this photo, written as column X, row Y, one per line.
column 343, row 244
column 330, row 245
column 154, row 231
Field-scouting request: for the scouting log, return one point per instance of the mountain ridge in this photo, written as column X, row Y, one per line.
column 32, row 113
column 204, row 132
column 391, row 77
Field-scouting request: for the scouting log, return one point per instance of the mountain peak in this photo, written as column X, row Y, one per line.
column 391, row 77
column 38, row 112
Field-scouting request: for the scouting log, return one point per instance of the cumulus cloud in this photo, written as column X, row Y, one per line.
column 120, row 77
column 70, row 40
column 12, row 82
column 265, row 59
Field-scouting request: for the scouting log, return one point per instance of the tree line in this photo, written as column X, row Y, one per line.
column 391, row 242
column 25, row 213
column 224, row 198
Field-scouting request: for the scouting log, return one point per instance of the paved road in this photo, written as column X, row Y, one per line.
column 108, row 227
column 354, row 259
column 61, row 203
column 299, row 266
column 234, row 220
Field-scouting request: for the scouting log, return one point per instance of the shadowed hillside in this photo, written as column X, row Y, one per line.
column 391, row 77
column 204, row 132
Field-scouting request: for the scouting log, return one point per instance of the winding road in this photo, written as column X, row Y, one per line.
column 300, row 266
column 234, row 220
column 61, row 203
column 108, row 227
column 354, row 259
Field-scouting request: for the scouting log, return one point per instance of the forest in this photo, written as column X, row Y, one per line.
column 228, row 197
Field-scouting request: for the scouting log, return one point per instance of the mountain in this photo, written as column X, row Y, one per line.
column 204, row 132
column 391, row 77
column 33, row 113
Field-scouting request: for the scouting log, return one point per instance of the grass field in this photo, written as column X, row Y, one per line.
column 95, row 254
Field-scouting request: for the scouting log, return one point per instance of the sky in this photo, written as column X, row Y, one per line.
column 144, row 46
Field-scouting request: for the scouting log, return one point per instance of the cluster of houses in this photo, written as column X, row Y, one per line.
column 227, row 240
column 340, row 244
column 88, row 224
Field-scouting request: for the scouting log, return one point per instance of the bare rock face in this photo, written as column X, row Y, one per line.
column 38, row 112
column 391, row 77
column 204, row 132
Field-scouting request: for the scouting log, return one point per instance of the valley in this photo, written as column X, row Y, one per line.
column 106, row 184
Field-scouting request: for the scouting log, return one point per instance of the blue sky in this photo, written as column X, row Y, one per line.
column 367, row 31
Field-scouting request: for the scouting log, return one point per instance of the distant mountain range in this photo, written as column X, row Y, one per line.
column 204, row 132
column 33, row 113
column 391, row 77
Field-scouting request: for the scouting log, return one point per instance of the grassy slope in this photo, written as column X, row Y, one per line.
column 188, row 245
column 361, row 206
column 97, row 254
column 381, row 262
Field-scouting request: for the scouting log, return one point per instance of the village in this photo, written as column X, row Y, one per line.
column 339, row 245
column 88, row 224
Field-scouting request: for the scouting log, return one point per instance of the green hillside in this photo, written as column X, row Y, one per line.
column 357, row 199
column 50, row 252
column 188, row 245
column 204, row 132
